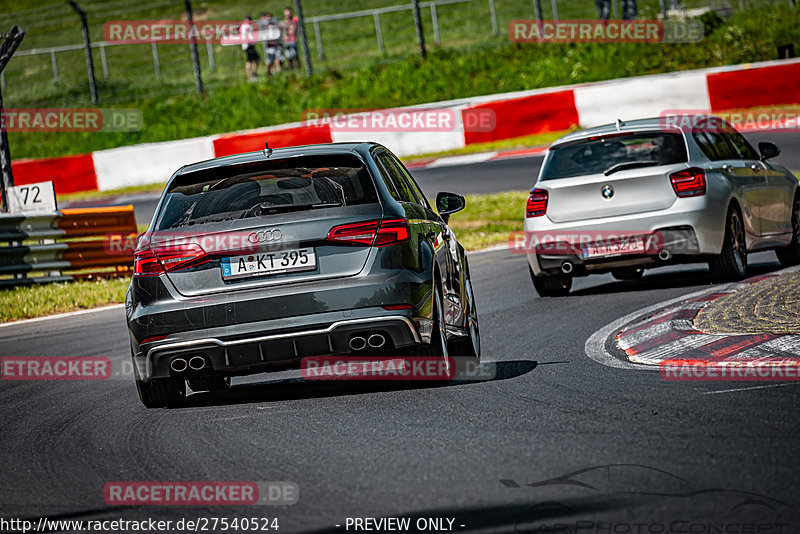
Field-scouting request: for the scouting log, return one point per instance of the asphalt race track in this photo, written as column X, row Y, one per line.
column 650, row 452
column 515, row 174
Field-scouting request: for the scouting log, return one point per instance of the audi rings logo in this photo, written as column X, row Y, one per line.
column 265, row 236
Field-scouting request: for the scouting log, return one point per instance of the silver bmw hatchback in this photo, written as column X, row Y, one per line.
column 625, row 197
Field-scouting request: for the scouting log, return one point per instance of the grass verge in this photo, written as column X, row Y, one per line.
column 37, row 301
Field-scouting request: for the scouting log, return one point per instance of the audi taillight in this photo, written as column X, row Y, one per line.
column 689, row 182
column 372, row 233
column 158, row 260
column 537, row 203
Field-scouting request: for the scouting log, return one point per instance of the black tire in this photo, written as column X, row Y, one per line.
column 161, row 392
column 467, row 350
column 731, row 262
column 551, row 285
column 628, row 274
column 790, row 255
column 210, row 383
column 438, row 345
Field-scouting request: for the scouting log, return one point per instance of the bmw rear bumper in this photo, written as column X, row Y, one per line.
column 685, row 230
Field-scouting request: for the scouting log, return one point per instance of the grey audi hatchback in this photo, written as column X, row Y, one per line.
column 255, row 261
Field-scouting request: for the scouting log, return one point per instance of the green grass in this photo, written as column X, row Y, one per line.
column 461, row 67
column 36, row 301
column 488, row 220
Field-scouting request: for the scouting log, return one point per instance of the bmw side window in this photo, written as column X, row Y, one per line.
column 744, row 149
column 715, row 146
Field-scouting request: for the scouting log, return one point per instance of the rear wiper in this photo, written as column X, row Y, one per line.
column 629, row 165
column 281, row 208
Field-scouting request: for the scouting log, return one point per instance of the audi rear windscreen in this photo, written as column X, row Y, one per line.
column 266, row 188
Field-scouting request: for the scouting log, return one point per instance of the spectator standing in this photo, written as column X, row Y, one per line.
column 290, row 25
column 603, row 9
column 629, row 9
column 273, row 47
column 248, row 45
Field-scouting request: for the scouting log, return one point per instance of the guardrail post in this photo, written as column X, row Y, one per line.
column 301, row 25
column 88, row 45
column 554, row 4
column 420, row 33
column 435, row 22
column 493, row 14
column 378, row 32
column 104, row 60
column 55, row 65
column 318, row 35
column 156, row 64
column 198, row 78
column 537, row 9
column 210, row 50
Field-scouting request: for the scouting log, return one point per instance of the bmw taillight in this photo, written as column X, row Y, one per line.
column 537, row 203
column 158, row 260
column 689, row 182
column 373, row 233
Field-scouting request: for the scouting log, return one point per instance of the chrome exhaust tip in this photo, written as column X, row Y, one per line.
column 376, row 341
column 178, row 365
column 664, row 255
column 197, row 362
column 357, row 343
column 566, row 267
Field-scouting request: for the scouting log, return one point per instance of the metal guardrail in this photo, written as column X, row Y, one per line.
column 65, row 245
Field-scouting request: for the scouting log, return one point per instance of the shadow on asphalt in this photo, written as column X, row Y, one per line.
column 670, row 280
column 298, row 388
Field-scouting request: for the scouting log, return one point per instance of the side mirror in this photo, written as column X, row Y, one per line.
column 768, row 150
column 449, row 203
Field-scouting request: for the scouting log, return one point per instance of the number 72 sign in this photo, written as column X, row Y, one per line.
column 32, row 198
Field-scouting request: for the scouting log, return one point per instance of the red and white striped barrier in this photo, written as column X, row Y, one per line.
column 771, row 83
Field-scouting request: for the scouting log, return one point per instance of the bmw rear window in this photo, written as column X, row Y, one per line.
column 266, row 188
column 603, row 153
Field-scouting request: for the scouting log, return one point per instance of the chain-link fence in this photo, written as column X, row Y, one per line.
column 50, row 69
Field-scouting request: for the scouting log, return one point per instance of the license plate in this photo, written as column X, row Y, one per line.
column 625, row 245
column 263, row 263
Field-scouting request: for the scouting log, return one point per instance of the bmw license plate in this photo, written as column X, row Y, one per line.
column 626, row 245
column 263, row 263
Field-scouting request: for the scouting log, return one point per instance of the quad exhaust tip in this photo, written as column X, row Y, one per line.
column 197, row 362
column 178, row 365
column 357, row 343
column 566, row 267
column 376, row 341
column 664, row 255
